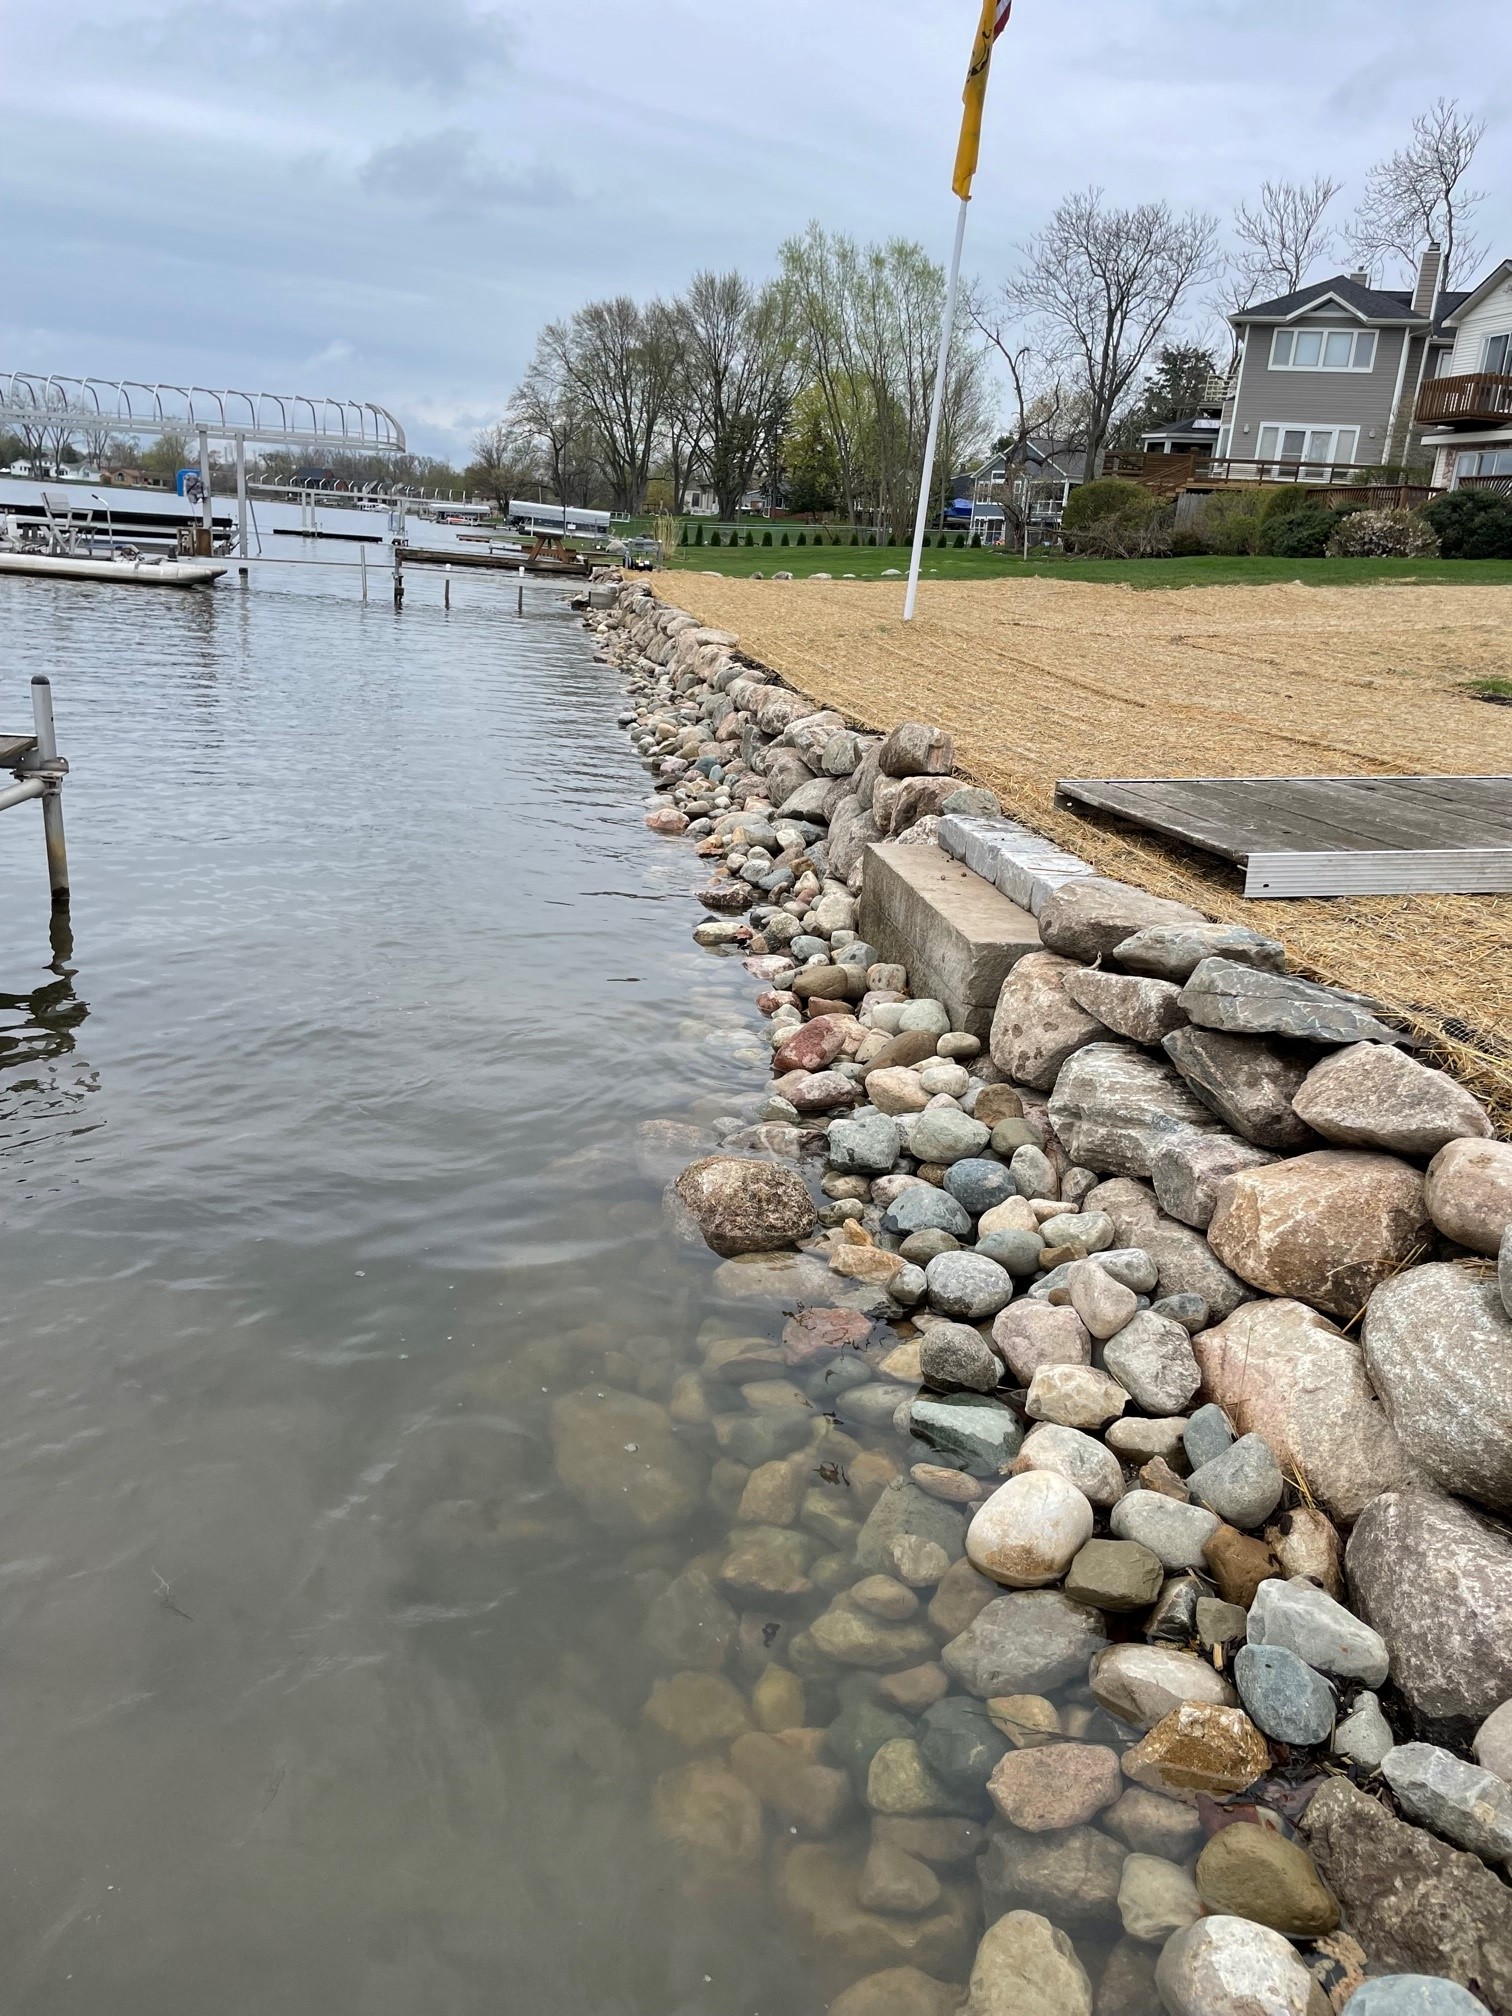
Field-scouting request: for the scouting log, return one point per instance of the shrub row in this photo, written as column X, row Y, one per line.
column 1113, row 518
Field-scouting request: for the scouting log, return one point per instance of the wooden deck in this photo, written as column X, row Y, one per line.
column 13, row 748
column 1327, row 836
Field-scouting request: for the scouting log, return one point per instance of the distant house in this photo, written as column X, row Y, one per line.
column 1032, row 478
column 1466, row 408
column 1329, row 376
column 1197, row 434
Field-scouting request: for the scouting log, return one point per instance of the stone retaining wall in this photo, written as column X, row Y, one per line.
column 1188, row 1309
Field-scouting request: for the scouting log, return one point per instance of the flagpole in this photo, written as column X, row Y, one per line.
column 936, row 408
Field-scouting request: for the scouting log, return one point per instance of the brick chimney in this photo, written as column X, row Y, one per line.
column 1360, row 279
column 1430, row 267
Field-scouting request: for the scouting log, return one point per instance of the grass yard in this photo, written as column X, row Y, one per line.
column 1049, row 677
column 950, row 563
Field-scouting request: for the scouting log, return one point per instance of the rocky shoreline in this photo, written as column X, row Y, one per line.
column 1116, row 1613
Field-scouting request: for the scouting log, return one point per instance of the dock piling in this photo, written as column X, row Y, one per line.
column 52, row 789
column 520, row 595
column 398, row 575
column 446, row 591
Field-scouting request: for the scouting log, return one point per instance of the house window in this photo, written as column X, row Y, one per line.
column 1484, row 462
column 1306, row 451
column 1497, row 355
column 1323, row 350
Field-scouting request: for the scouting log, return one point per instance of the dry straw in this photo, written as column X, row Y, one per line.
column 1041, row 679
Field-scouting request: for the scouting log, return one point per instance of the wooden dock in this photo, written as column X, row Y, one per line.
column 1326, row 836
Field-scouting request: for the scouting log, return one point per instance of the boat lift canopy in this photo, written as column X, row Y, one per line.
column 124, row 406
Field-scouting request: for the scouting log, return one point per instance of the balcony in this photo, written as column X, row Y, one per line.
column 1474, row 399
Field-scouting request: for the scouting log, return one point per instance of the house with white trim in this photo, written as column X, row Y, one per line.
column 1466, row 409
column 1329, row 378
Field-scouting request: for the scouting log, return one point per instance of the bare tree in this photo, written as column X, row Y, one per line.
column 503, row 464
column 740, row 350
column 1283, row 234
column 1419, row 193
column 1103, row 285
column 1040, row 405
column 608, row 355
column 680, row 437
column 546, row 411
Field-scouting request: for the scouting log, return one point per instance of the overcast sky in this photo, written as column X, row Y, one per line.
column 382, row 199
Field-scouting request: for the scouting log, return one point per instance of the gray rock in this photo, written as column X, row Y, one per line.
column 1129, row 1264
column 1220, row 1623
column 1092, row 1230
column 1493, row 1742
column 978, row 1184
column 1412, row 1901
column 1414, row 1995
column 1467, row 1805
column 1140, row 1010
column 1175, row 951
column 1302, row 1618
column 1469, row 1193
column 1151, row 1357
column 1033, row 1172
column 1187, row 1169
column 860, row 1729
column 1438, row 1346
column 1434, row 1578
column 1173, row 1618
column 1036, row 1025
column 1025, row 1643
column 1283, row 1695
column 945, row 1134
column 1364, row 1735
column 955, row 1355
column 1504, row 1270
column 1113, row 1106
column 1114, row 1575
column 1190, row 1311
column 1248, row 1082
column 1243, row 1485
column 1371, row 1095
column 1207, row 1435
column 864, row 1144
column 1086, row 918
column 960, row 1745
column 904, row 1508
column 915, row 749
column 920, row 1248
column 1223, row 994
column 1233, row 1967
column 1081, row 1459
column 1186, row 1262
column 971, row 801
column 968, row 1286
column 979, row 1431
column 923, row 1208
column 1019, row 1252
column 1175, row 1533
column 1032, row 1333
column 1071, row 1877
column 908, row 1287
column 872, row 1406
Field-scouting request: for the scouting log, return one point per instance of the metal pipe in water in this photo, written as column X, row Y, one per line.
column 52, row 791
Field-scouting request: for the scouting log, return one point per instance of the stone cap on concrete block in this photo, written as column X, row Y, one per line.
column 1025, row 866
column 957, row 935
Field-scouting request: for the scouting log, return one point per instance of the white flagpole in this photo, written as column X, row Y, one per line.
column 947, row 330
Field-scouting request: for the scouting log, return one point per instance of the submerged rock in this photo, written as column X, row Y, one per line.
column 620, row 1457
column 1025, row 1966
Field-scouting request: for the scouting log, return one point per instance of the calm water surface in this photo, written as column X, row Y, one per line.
column 317, row 1182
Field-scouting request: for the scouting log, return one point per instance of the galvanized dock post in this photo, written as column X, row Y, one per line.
column 520, row 595
column 446, row 595
column 398, row 575
column 241, row 505
column 52, row 770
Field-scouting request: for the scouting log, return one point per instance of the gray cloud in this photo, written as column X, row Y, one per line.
column 447, row 47
column 449, row 171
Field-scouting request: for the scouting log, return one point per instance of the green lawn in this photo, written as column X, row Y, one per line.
column 950, row 563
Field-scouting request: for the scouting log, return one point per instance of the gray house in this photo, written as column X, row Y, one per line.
column 1328, row 377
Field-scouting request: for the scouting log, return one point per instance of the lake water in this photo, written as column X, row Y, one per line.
column 318, row 1184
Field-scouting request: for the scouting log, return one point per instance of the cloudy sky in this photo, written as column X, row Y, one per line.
column 382, row 199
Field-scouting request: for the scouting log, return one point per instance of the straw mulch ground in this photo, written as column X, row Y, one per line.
column 1044, row 679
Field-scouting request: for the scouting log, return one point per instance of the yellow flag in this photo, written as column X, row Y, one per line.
column 994, row 20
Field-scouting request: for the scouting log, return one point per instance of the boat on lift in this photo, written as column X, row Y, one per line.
column 67, row 550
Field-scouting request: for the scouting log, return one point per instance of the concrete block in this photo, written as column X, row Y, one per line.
column 1023, row 864
column 957, row 935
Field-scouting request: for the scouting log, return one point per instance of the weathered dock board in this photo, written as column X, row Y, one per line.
column 1327, row 836
column 13, row 748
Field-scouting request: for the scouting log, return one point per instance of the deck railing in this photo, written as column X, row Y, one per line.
column 1470, row 396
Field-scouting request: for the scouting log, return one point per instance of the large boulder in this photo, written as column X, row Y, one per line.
column 621, row 1457
column 1246, row 1001
column 1036, row 1025
column 1175, row 951
column 1113, row 1106
column 1085, row 918
column 1282, row 1371
column 1372, row 1095
column 1325, row 1227
column 1413, row 1902
column 1248, row 1082
column 1025, row 1966
column 1139, row 1009
column 914, row 749
column 1438, row 1346
column 1470, row 1193
column 1435, row 1579
column 1187, row 1264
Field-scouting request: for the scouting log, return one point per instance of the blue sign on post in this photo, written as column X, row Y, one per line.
column 191, row 484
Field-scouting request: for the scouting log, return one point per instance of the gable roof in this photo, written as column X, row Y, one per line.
column 1474, row 297
column 1366, row 304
